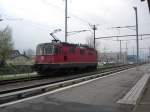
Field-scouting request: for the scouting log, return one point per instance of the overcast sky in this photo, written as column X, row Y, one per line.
column 35, row 19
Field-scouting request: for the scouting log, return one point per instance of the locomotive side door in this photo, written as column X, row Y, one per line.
column 64, row 54
column 61, row 55
column 58, row 54
column 65, row 57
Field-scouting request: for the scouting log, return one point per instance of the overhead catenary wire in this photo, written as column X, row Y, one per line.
column 75, row 32
column 61, row 9
column 42, row 26
column 72, row 15
column 142, row 38
column 131, row 35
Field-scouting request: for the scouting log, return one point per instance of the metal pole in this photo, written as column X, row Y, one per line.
column 149, row 55
column 94, row 35
column 137, row 38
column 120, row 51
column 149, row 51
column 94, row 28
column 126, row 52
column 66, row 16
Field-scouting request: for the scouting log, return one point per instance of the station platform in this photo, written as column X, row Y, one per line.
column 100, row 95
column 144, row 104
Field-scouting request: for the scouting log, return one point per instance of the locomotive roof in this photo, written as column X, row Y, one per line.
column 77, row 45
column 69, row 44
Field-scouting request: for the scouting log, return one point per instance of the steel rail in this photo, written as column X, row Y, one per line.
column 33, row 91
column 40, row 77
column 50, row 80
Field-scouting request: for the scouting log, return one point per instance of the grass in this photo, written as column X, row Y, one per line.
column 17, row 76
column 106, row 65
column 34, row 74
column 10, row 72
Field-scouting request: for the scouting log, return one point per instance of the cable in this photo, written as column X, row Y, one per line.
column 73, row 15
column 41, row 25
column 75, row 32
column 129, row 39
column 122, row 36
column 28, row 21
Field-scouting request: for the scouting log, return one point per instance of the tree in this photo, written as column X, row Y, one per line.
column 6, row 44
column 90, row 42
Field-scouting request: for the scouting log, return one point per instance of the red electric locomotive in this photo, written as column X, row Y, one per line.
column 56, row 56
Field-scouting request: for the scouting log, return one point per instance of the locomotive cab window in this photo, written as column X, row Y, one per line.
column 39, row 50
column 44, row 49
column 48, row 49
column 57, row 50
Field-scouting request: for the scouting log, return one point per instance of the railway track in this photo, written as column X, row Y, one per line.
column 14, row 85
column 38, row 77
column 24, row 92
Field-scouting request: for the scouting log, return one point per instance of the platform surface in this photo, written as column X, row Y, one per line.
column 134, row 95
column 97, row 96
column 144, row 105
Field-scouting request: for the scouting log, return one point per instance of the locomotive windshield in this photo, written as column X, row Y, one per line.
column 45, row 49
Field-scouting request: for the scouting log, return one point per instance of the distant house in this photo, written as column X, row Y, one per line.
column 20, row 60
column 17, row 58
column 15, row 53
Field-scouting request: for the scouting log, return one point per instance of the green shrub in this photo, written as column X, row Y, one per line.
column 15, row 69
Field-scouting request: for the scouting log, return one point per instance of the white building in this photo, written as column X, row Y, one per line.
column 112, row 57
